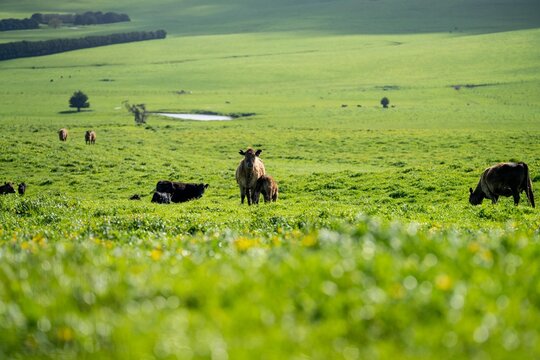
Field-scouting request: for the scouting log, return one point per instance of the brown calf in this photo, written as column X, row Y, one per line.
column 267, row 186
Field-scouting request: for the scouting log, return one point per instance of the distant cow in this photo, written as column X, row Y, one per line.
column 62, row 134
column 181, row 192
column 267, row 186
column 250, row 169
column 22, row 188
column 161, row 198
column 504, row 179
column 7, row 188
column 90, row 137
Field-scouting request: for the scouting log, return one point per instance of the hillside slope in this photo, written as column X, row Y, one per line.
column 327, row 16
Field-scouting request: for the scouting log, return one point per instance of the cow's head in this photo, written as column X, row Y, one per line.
column 476, row 197
column 200, row 190
column 249, row 156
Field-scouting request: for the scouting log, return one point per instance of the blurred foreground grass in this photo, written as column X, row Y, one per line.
column 336, row 288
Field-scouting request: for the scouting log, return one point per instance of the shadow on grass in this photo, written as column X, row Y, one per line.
column 73, row 111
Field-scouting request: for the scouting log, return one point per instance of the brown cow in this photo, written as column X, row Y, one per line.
column 250, row 169
column 267, row 186
column 7, row 188
column 90, row 137
column 62, row 134
column 504, row 179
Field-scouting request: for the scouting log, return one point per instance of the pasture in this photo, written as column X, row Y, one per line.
column 371, row 251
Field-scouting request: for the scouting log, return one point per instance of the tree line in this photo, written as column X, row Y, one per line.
column 87, row 18
column 18, row 24
column 20, row 49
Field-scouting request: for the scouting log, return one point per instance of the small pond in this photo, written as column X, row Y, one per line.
column 197, row 117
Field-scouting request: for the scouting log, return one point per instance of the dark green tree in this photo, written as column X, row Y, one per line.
column 79, row 100
column 385, row 102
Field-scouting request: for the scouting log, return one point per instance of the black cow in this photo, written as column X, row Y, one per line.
column 22, row 188
column 504, row 179
column 181, row 192
column 7, row 188
column 161, row 198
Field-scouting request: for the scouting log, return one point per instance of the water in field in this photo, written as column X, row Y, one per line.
column 197, row 117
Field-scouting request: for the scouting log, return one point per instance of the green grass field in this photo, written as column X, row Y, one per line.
column 372, row 250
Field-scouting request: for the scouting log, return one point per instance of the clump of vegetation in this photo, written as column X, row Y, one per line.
column 18, row 24
column 79, row 100
column 138, row 111
column 13, row 50
column 87, row 18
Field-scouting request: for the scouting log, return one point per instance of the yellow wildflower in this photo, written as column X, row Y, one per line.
column 156, row 254
column 243, row 243
column 309, row 240
column 65, row 334
column 39, row 239
column 443, row 282
column 473, row 247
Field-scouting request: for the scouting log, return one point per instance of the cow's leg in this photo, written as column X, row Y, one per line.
column 494, row 199
column 242, row 194
column 256, row 197
column 515, row 194
column 249, row 195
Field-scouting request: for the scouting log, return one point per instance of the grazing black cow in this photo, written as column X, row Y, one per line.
column 181, row 192
column 504, row 179
column 7, row 188
column 22, row 188
column 161, row 198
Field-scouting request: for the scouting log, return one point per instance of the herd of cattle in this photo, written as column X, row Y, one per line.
column 504, row 179
column 89, row 136
column 250, row 176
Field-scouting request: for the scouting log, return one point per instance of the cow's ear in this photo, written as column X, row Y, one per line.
column 258, row 152
column 470, row 190
column 206, row 186
column 241, row 152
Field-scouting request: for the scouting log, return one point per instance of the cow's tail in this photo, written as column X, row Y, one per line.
column 528, row 185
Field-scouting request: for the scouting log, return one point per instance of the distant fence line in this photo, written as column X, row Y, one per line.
column 21, row 49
